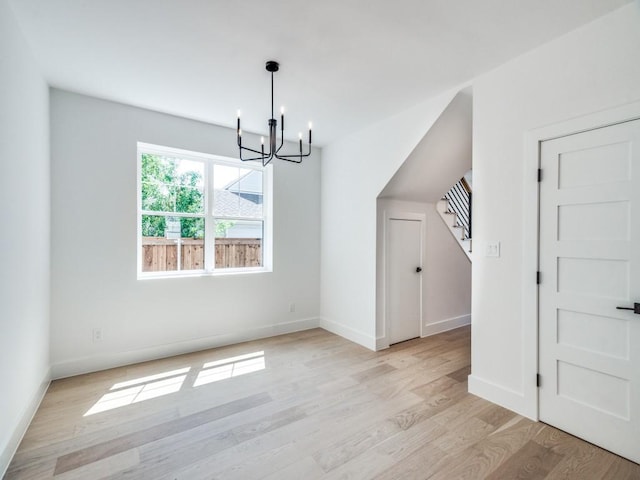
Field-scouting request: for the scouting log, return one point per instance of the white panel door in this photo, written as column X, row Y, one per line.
column 403, row 279
column 590, row 264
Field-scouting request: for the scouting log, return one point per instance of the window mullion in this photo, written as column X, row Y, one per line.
column 172, row 214
column 267, row 217
column 209, row 222
column 240, row 219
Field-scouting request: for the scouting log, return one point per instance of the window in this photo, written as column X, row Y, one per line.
column 201, row 214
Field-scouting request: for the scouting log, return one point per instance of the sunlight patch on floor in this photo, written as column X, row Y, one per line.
column 230, row 367
column 153, row 386
column 140, row 389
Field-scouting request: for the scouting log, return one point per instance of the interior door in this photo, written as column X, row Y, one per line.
column 404, row 264
column 589, row 350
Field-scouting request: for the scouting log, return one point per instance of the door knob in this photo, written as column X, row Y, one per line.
column 418, row 269
column 635, row 308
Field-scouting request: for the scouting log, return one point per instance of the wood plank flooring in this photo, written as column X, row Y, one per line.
column 308, row 405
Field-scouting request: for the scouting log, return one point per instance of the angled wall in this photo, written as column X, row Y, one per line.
column 438, row 161
column 441, row 157
column 354, row 172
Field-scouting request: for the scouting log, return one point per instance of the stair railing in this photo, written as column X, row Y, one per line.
column 459, row 201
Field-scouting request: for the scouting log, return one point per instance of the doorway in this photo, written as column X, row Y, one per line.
column 589, row 260
column 404, row 247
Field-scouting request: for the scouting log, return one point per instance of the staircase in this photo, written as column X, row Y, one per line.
column 455, row 210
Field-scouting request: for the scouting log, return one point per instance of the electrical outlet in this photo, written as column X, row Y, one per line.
column 292, row 307
column 97, row 335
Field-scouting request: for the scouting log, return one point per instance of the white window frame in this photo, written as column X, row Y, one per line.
column 209, row 161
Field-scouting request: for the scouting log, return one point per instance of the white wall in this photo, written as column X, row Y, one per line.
column 94, row 246
column 446, row 273
column 593, row 68
column 24, row 243
column 441, row 157
column 354, row 172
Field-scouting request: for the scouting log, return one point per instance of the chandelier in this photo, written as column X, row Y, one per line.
column 274, row 148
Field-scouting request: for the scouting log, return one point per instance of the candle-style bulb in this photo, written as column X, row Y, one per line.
column 300, row 135
column 281, row 110
column 262, row 140
column 310, row 125
column 239, row 112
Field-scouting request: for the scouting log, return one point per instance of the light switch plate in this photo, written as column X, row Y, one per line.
column 493, row 249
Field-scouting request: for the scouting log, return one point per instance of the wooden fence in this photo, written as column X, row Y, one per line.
column 160, row 254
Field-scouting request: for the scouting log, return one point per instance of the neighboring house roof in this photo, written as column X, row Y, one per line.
column 249, row 182
column 237, row 204
column 242, row 197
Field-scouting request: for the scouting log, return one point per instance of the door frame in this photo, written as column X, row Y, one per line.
column 399, row 215
column 531, row 233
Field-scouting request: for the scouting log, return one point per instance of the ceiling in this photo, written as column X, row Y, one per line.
column 344, row 63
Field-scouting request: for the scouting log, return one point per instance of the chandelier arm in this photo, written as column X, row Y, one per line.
column 254, row 151
column 297, row 155
column 281, row 134
column 267, row 161
column 300, row 155
column 285, row 157
column 289, row 159
column 266, row 158
column 251, row 159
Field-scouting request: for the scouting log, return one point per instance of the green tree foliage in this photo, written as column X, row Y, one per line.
column 222, row 226
column 168, row 188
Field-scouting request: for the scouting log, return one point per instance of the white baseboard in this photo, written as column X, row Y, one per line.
column 501, row 395
column 381, row 343
column 446, row 325
column 9, row 450
column 94, row 363
column 349, row 333
column 431, row 329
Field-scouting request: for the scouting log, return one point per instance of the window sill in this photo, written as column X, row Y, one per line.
column 202, row 273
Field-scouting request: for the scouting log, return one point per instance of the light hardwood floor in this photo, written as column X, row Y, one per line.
column 300, row 406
